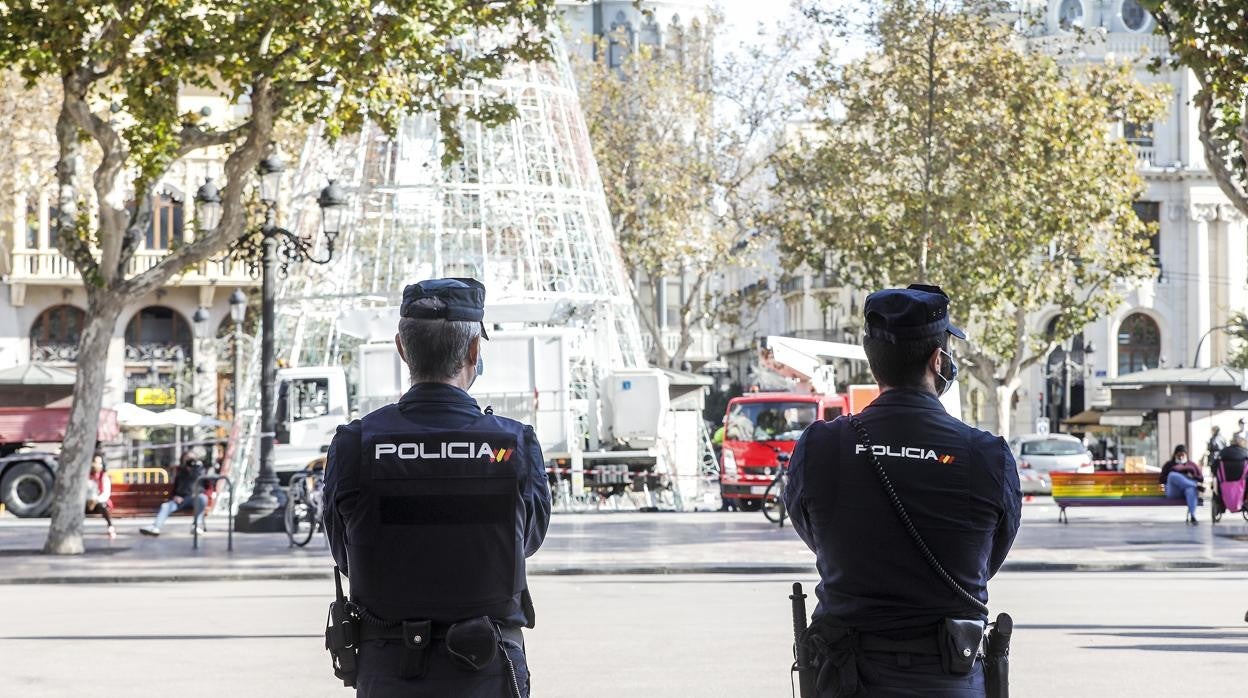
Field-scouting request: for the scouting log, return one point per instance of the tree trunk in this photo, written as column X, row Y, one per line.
column 1003, row 403
column 69, row 492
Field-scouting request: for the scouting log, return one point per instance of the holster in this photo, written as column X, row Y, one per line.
column 342, row 639
column 473, row 643
column 417, row 635
column 959, row 644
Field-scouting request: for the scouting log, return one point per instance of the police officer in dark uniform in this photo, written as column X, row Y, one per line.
column 882, row 606
column 431, row 507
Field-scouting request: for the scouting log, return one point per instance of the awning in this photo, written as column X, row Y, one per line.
column 1122, row 418
column 1085, row 418
column 38, row 374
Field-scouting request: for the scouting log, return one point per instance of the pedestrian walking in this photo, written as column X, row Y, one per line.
column 1182, row 479
column 431, row 508
column 185, row 492
column 1217, row 442
column 887, row 624
column 100, row 492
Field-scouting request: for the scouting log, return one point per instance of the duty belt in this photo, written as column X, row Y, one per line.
column 394, row 632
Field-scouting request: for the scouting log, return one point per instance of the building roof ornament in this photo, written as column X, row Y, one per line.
column 1205, row 213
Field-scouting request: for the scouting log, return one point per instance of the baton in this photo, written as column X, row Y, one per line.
column 801, row 655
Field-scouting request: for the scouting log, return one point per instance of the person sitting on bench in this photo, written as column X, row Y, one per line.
column 184, row 493
column 1182, row 479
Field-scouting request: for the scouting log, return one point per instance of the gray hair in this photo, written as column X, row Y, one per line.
column 436, row 350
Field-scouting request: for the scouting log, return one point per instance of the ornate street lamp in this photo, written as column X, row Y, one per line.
column 262, row 512
column 207, row 206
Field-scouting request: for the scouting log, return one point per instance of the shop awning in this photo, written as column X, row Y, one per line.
column 38, row 374
column 1122, row 418
column 1085, row 418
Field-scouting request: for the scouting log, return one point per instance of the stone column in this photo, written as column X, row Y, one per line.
column 1232, row 274
column 1199, row 284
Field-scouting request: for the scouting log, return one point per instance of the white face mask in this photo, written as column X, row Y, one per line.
column 1181, row 460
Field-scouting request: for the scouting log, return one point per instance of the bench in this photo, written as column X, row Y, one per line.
column 141, row 491
column 1108, row 490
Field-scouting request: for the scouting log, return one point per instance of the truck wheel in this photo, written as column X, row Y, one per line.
column 745, row 504
column 27, row 490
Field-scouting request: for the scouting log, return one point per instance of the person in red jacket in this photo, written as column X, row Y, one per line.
column 1182, row 479
column 100, row 491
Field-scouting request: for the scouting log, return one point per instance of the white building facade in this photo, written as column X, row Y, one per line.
column 155, row 358
column 1201, row 249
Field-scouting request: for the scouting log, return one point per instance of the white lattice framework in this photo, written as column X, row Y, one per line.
column 523, row 211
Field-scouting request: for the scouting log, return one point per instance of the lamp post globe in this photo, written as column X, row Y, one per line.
column 238, row 306
column 271, row 170
column 207, row 206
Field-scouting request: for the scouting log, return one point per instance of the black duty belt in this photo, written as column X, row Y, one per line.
column 375, row 631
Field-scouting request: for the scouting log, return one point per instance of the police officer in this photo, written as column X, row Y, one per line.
column 881, row 617
column 431, row 508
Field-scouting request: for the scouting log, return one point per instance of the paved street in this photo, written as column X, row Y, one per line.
column 1130, row 539
column 1090, row 634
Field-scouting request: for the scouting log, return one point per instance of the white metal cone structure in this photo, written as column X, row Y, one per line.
column 523, row 211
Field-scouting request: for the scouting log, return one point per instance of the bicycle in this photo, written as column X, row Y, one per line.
column 304, row 496
column 773, row 498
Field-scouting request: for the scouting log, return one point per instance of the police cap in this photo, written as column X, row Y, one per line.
column 445, row 299
column 902, row 314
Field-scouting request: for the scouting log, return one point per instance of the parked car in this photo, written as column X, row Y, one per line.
column 1040, row 454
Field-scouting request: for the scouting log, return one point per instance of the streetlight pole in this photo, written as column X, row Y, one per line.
column 238, row 313
column 1196, row 359
column 262, row 512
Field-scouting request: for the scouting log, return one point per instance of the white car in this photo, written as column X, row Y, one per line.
column 1040, row 454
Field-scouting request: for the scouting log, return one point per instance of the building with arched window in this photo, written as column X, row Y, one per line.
column 1200, row 249
column 44, row 307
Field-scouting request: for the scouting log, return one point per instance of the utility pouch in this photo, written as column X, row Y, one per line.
column 473, row 643
column 342, row 635
column 417, row 635
column 959, row 644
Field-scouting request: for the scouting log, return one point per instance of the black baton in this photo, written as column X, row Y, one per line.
column 997, row 657
column 801, row 654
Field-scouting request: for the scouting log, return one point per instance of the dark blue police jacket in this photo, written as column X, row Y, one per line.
column 431, row 508
column 959, row 484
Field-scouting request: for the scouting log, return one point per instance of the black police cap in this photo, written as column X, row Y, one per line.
column 445, row 299
column 902, row 314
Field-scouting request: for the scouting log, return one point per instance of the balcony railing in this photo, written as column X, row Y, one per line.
column 55, row 353
column 1144, row 155
column 51, row 267
column 703, row 347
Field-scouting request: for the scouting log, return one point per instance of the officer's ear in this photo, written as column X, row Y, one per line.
column 399, row 345
column 474, row 350
column 934, row 361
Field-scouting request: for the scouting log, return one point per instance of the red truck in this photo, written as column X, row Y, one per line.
column 26, row 474
column 757, row 428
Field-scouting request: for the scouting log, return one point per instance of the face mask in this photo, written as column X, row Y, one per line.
column 480, row 370
column 948, row 373
column 1181, row 460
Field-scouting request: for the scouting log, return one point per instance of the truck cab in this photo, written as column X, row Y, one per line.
column 312, row 403
column 757, row 429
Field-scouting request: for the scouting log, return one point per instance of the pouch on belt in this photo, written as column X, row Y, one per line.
column 473, row 643
column 417, row 634
column 959, row 644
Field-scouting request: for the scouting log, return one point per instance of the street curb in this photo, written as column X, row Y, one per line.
column 617, row 570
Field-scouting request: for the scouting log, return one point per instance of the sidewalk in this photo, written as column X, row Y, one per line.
column 1138, row 539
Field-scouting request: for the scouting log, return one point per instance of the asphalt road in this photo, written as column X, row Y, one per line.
column 1092, row 634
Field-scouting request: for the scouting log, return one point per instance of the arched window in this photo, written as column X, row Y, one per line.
column 620, row 42
column 54, row 334
column 650, row 33
column 165, row 229
column 158, row 333
column 674, row 40
column 1139, row 344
